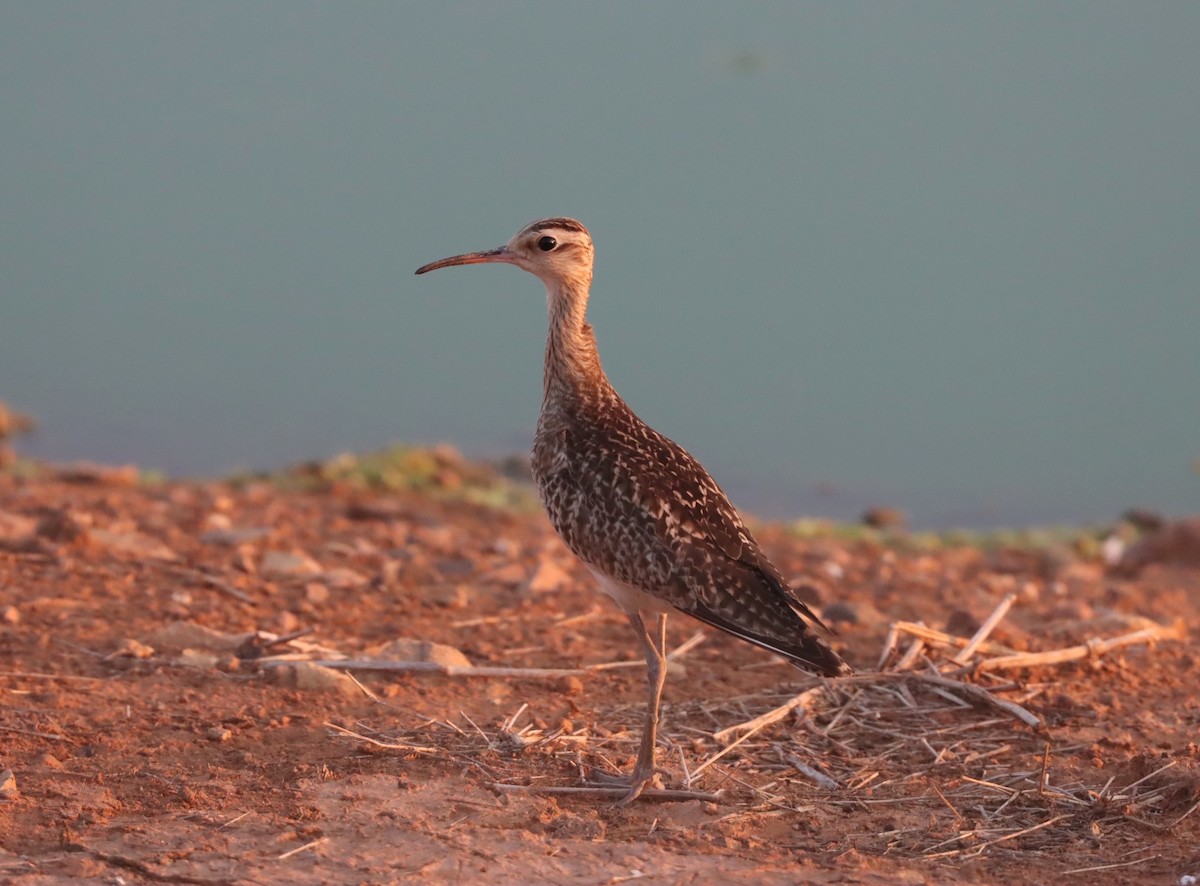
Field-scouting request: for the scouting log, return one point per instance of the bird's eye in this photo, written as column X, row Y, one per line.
column 547, row 243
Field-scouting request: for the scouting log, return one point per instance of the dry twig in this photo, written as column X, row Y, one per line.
column 803, row 700
column 985, row 629
column 604, row 791
column 1093, row 648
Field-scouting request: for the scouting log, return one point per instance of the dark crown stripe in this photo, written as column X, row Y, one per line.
column 563, row 224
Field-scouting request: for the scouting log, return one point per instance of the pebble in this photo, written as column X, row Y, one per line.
column 287, row 622
column 288, row 563
column 135, row 544
column 511, row 575
column 316, row 593
column 407, row 649
column 230, row 537
column 86, row 472
column 548, row 576
column 883, row 517
column 132, row 649
column 308, row 676
column 439, row 539
column 12, row 615
column 961, row 623
column 455, row 567
column 840, row 613
column 8, row 786
column 451, row 596
column 63, row 524
column 342, row 577
column 806, row 591
column 243, row 561
column 188, row 635
column 197, row 658
column 217, row 521
column 219, row 733
column 377, row 509
column 16, row 528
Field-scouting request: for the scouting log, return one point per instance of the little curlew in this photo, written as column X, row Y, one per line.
column 645, row 518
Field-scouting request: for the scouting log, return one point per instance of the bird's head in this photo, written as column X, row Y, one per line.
column 556, row 250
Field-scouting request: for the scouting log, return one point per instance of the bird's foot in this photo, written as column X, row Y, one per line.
column 636, row 782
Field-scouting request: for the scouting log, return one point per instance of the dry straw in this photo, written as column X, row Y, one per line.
column 930, row 735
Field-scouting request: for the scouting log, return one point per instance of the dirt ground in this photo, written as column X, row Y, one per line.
column 150, row 736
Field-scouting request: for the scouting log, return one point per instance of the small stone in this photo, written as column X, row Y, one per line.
column 1112, row 549
column 314, row 678
column 288, row 563
column 219, row 733
column 389, row 573
column 452, row 596
column 406, row 649
column 244, row 561
column 8, row 786
column 132, row 544
column 1144, row 519
column 63, row 524
column 510, row 575
column 16, row 529
column 11, row 615
column 548, row 576
column 840, row 613
column 217, row 521
column 1072, row 610
column 377, row 509
column 231, row 537
column 833, row 569
column 571, row 685
column 288, row 622
column 882, row 517
column 316, row 593
column 199, row 659
column 49, row 761
column 961, row 624
column 90, row 473
column 806, row 592
column 455, row 567
column 341, row 577
column 439, row 539
column 132, row 649
column 188, row 635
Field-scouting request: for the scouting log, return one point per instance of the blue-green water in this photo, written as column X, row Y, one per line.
column 939, row 255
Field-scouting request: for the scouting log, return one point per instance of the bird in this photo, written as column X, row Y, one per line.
column 650, row 524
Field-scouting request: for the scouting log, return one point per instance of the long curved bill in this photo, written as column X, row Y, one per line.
column 500, row 254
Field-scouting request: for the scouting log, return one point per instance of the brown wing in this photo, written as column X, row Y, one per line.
column 644, row 511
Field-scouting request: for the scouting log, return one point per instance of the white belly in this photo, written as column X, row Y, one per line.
column 629, row 598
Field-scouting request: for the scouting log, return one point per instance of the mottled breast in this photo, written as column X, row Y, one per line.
column 624, row 498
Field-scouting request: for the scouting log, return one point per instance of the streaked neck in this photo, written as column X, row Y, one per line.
column 572, row 367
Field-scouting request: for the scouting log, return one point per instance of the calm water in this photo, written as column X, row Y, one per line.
column 937, row 255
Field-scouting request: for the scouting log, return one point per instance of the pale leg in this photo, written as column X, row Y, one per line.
column 654, row 645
